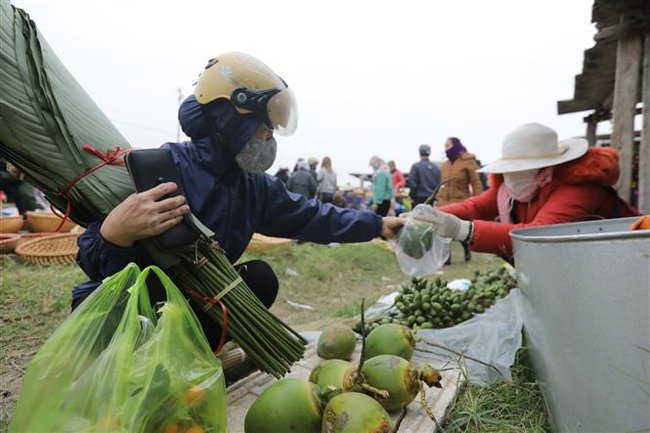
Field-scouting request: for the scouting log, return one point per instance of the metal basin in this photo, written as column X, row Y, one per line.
column 586, row 312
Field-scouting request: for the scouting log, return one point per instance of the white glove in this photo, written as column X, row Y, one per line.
column 448, row 225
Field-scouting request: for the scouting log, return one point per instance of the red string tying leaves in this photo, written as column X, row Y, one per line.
column 110, row 157
column 210, row 302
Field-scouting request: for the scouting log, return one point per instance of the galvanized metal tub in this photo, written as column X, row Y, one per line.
column 586, row 312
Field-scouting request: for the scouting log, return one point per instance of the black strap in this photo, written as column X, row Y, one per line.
column 514, row 218
column 616, row 206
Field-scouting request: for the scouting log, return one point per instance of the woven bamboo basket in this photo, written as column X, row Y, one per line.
column 47, row 222
column 8, row 242
column 26, row 237
column 11, row 224
column 47, row 250
column 260, row 243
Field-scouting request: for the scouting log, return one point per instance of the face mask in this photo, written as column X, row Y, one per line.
column 520, row 183
column 258, row 155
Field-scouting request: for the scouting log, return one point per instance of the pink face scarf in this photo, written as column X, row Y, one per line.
column 521, row 187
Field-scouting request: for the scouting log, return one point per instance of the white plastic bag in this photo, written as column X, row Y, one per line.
column 420, row 251
column 492, row 337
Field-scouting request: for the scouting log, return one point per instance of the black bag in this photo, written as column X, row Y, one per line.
column 149, row 168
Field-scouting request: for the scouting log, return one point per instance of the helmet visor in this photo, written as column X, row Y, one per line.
column 283, row 112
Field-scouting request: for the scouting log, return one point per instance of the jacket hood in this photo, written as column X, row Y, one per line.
column 599, row 165
column 205, row 123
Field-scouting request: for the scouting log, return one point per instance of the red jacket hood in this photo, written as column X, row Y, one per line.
column 599, row 165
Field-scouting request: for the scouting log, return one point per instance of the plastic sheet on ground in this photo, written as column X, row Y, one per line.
column 492, row 337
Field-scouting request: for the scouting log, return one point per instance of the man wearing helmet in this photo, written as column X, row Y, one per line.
column 238, row 105
column 424, row 177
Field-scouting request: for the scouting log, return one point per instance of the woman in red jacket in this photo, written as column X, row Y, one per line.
column 538, row 181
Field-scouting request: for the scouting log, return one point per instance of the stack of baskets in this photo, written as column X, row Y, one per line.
column 45, row 222
column 11, row 224
column 9, row 237
column 8, row 242
column 43, row 245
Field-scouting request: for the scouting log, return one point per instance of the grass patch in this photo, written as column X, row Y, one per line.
column 34, row 300
column 507, row 407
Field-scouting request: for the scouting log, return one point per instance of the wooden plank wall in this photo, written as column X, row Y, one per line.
column 644, row 150
column 626, row 90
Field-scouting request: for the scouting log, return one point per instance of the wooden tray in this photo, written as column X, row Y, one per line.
column 243, row 393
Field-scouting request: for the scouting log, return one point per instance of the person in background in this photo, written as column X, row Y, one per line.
column 295, row 166
column 482, row 176
column 302, row 182
column 222, row 169
column 283, row 174
column 327, row 184
column 399, row 182
column 382, row 186
column 424, row 177
column 17, row 191
column 538, row 180
column 313, row 165
column 459, row 179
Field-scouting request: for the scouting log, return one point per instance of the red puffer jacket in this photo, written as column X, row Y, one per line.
column 580, row 190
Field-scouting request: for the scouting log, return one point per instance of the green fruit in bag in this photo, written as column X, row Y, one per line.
column 416, row 238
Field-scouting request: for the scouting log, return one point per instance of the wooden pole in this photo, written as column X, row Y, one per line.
column 592, row 125
column 626, row 91
column 644, row 150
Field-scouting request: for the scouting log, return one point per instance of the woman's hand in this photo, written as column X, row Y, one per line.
column 448, row 225
column 143, row 215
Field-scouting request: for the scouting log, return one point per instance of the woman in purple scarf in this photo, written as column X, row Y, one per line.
column 459, row 179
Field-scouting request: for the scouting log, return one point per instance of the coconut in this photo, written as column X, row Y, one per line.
column 288, row 405
column 399, row 377
column 336, row 342
column 334, row 372
column 390, row 339
column 354, row 412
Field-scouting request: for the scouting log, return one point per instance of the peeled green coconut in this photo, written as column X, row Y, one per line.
column 399, row 377
column 289, row 405
column 336, row 342
column 354, row 412
column 390, row 339
column 334, row 372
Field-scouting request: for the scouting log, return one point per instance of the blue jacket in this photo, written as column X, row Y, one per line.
column 232, row 203
column 423, row 179
column 302, row 182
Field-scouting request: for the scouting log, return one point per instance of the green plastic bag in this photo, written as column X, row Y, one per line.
column 115, row 365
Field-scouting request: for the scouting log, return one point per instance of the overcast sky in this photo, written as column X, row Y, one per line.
column 370, row 77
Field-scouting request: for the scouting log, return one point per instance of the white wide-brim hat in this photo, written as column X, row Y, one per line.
column 534, row 146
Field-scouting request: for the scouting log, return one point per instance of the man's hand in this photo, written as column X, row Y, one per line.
column 390, row 226
column 142, row 216
column 448, row 225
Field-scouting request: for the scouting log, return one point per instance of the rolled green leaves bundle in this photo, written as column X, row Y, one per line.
column 52, row 130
